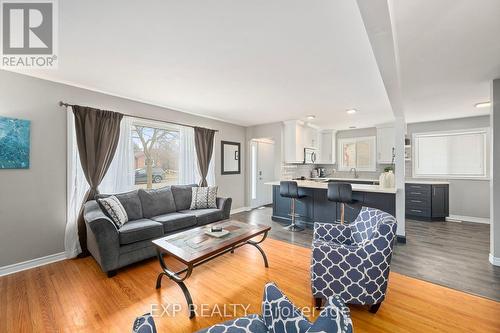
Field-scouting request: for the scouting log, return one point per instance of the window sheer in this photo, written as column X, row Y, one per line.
column 172, row 154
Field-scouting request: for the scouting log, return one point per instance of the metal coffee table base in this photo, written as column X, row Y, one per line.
column 176, row 276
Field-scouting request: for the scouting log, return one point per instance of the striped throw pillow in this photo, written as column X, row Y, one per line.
column 115, row 210
column 204, row 197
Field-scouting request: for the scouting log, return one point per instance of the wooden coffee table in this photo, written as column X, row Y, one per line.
column 193, row 247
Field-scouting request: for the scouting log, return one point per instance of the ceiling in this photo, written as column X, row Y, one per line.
column 260, row 61
column 245, row 62
column 449, row 53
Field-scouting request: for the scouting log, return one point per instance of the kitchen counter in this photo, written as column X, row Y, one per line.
column 370, row 180
column 314, row 205
column 355, row 187
column 428, row 182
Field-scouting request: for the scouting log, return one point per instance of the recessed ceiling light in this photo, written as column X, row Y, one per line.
column 483, row 105
column 352, row 127
column 311, row 117
column 351, row 111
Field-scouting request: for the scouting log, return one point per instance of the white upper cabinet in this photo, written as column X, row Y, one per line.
column 386, row 143
column 291, row 135
column 297, row 136
column 311, row 137
column 328, row 147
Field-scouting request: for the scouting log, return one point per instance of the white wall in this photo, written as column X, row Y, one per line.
column 33, row 201
column 495, row 179
column 467, row 197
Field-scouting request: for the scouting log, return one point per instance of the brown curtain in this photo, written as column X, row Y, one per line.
column 97, row 134
column 204, row 142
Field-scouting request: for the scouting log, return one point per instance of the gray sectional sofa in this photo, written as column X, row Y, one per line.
column 152, row 214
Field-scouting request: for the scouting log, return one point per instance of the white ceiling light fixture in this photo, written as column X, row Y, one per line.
column 482, row 105
column 351, row 111
column 311, row 117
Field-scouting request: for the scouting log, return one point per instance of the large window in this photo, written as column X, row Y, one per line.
column 358, row 153
column 156, row 155
column 457, row 154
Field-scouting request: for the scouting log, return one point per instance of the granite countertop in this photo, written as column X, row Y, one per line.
column 355, row 187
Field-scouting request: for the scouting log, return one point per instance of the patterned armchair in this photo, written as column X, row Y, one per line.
column 279, row 315
column 353, row 261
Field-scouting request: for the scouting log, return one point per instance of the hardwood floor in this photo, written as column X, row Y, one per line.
column 75, row 296
column 450, row 254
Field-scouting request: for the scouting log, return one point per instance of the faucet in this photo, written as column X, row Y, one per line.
column 355, row 172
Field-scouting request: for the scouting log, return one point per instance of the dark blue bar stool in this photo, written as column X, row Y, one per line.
column 290, row 189
column 341, row 193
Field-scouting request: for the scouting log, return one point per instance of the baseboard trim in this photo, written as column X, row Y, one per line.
column 494, row 260
column 239, row 210
column 460, row 218
column 22, row 266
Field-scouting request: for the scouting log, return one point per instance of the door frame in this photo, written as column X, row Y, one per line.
column 252, row 179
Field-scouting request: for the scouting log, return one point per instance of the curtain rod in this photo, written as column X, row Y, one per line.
column 61, row 103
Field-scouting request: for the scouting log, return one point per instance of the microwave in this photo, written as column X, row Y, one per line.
column 310, row 155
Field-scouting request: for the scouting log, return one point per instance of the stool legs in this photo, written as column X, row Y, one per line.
column 342, row 213
column 293, row 226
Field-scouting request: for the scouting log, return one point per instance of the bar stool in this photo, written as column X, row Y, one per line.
column 342, row 193
column 289, row 189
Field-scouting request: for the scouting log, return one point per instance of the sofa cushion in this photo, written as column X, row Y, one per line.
column 157, row 201
column 182, row 195
column 130, row 201
column 138, row 230
column 205, row 216
column 175, row 221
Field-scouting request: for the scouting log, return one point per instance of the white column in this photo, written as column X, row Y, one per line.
column 495, row 174
column 399, row 161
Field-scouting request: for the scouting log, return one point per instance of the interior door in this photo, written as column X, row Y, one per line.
column 262, row 172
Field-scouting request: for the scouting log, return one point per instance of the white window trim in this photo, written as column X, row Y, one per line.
column 485, row 131
column 155, row 124
column 373, row 140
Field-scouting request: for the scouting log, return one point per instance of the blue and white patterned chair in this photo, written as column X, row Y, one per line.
column 353, row 261
column 279, row 315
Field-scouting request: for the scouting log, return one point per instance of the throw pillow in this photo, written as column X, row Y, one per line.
column 144, row 324
column 130, row 201
column 335, row 318
column 204, row 197
column 280, row 314
column 115, row 210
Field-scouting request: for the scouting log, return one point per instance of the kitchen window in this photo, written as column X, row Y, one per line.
column 359, row 153
column 456, row 154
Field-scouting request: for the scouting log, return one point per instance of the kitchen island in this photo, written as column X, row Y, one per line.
column 315, row 207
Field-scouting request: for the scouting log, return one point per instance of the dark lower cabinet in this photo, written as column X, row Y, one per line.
column 315, row 207
column 427, row 202
column 324, row 210
column 303, row 207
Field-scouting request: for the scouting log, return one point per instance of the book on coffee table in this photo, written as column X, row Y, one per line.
column 217, row 234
